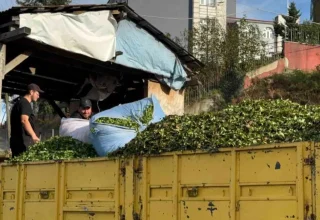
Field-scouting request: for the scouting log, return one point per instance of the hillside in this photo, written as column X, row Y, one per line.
column 298, row 86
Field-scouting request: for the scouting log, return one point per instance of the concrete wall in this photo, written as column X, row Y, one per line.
column 302, row 56
column 265, row 71
column 297, row 56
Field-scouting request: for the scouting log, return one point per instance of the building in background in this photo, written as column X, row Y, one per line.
column 315, row 11
column 203, row 9
column 169, row 16
column 273, row 45
column 231, row 8
column 176, row 16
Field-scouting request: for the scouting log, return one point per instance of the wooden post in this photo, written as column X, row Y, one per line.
column 8, row 117
column 2, row 66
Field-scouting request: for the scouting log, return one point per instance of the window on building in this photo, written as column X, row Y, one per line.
column 268, row 33
column 208, row 2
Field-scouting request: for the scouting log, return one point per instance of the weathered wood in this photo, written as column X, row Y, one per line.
column 56, row 108
column 33, row 70
column 115, row 12
column 15, row 18
column 45, row 77
column 171, row 101
column 16, row 61
column 193, row 82
column 2, row 65
column 15, row 35
column 3, row 49
column 8, row 24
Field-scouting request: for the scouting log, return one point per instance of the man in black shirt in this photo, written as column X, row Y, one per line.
column 84, row 111
column 23, row 122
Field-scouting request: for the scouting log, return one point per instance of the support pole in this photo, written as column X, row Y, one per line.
column 2, row 67
column 8, row 116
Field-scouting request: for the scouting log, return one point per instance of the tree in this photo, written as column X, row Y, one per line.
column 294, row 15
column 42, row 2
column 228, row 54
column 291, row 22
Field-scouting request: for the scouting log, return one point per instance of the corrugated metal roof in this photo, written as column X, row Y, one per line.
column 183, row 54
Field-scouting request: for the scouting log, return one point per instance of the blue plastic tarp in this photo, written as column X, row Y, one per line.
column 142, row 51
column 107, row 138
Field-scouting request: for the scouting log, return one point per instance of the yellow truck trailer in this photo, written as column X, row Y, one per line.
column 272, row 182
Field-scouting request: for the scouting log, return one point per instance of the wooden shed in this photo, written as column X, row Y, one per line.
column 62, row 73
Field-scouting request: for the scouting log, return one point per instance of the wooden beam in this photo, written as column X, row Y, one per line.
column 33, row 70
column 21, row 80
column 16, row 61
column 15, row 35
column 56, row 108
column 16, row 91
column 8, row 24
column 45, row 77
column 78, row 12
column 115, row 12
column 194, row 81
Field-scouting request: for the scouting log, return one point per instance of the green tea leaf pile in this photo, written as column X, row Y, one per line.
column 56, row 148
column 128, row 122
column 246, row 124
column 145, row 119
column 147, row 115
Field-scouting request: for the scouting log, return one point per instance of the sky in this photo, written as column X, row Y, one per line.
column 2, row 106
column 270, row 8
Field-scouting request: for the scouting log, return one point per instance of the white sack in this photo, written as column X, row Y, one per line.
column 76, row 128
column 92, row 34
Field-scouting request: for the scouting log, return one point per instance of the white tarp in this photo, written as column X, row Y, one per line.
column 75, row 128
column 91, row 33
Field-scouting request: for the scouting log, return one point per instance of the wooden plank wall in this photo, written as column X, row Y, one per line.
column 171, row 101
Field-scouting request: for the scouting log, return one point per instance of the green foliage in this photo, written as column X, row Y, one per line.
column 128, row 122
column 291, row 28
column 305, row 33
column 56, row 148
column 228, row 54
column 147, row 115
column 235, row 48
column 291, row 22
column 44, row 108
column 231, row 85
column 249, row 123
column 294, row 15
column 279, row 29
column 42, row 2
column 145, row 119
column 298, row 86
